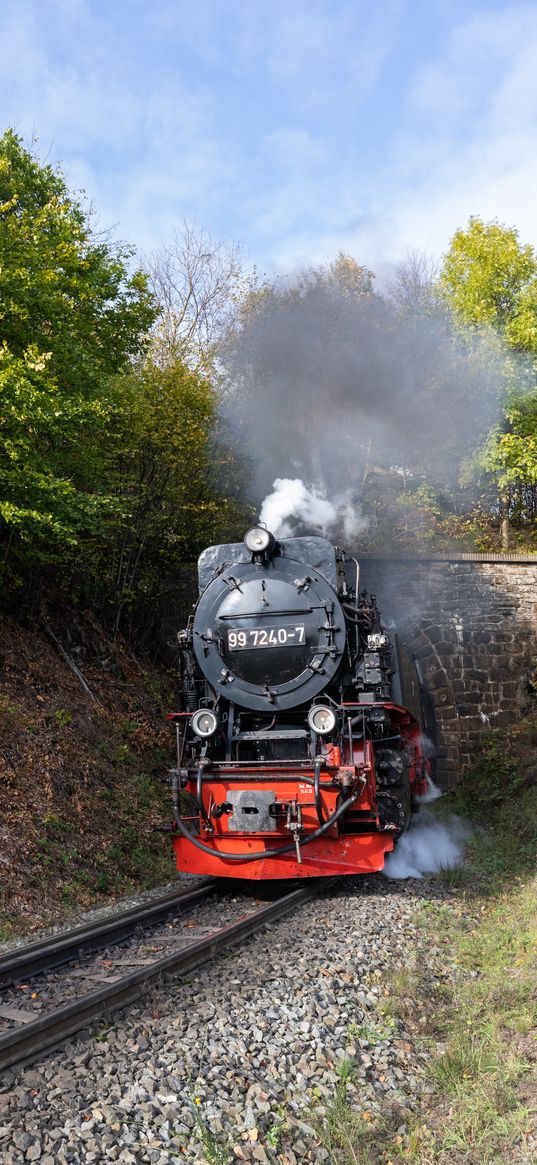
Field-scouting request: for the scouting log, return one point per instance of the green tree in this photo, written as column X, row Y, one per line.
column 170, row 481
column 71, row 318
column 489, row 280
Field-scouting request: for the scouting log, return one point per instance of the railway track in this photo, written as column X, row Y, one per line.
column 48, row 989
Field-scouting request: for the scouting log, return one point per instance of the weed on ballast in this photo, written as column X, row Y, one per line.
column 346, row 1071
column 277, row 1129
column 217, row 1147
column 374, row 1033
column 352, row 1134
column 354, row 1137
column 217, row 1152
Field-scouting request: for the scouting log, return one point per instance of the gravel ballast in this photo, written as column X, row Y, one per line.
column 243, row 1058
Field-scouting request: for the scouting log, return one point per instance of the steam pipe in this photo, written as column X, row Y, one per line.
column 199, row 792
column 317, row 790
column 350, row 614
column 356, row 623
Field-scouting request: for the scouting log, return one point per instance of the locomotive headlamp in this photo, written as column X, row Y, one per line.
column 321, row 719
column 204, row 723
column 258, row 540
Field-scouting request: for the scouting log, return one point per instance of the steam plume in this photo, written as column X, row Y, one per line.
column 428, row 846
column 432, row 792
column 309, row 507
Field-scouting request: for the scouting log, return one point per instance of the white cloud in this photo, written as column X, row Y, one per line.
column 469, row 146
column 331, row 52
column 270, row 122
column 131, row 130
column 465, row 144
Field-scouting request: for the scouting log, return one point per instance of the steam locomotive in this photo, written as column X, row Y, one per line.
column 301, row 726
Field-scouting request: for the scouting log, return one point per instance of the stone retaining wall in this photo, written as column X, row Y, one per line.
column 473, row 626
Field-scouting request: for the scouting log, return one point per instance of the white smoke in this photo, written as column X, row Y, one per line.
column 432, row 792
column 428, row 845
column 309, row 505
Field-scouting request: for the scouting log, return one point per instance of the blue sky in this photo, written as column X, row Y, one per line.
column 296, row 128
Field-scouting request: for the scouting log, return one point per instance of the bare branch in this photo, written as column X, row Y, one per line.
column 70, row 662
column 199, row 283
column 412, row 287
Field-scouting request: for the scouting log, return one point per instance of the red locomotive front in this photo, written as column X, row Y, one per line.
column 300, row 734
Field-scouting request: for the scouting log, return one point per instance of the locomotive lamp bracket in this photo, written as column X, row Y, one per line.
column 303, row 584
column 233, row 583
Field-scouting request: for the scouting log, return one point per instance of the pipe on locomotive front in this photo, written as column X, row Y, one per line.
column 267, row 853
column 317, row 789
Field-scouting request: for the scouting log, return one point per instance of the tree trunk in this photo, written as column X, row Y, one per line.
column 505, row 525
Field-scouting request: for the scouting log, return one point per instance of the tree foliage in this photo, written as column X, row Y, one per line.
column 108, row 464
column 489, row 280
column 71, row 317
column 167, row 480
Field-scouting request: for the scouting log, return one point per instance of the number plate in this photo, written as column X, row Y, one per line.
column 237, row 639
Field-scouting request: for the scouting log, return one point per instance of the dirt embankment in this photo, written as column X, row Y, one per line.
column 83, row 763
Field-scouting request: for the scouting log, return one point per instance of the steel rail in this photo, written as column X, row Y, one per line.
column 25, row 1044
column 29, row 960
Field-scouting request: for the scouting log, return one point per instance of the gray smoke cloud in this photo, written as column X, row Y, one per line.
column 346, row 395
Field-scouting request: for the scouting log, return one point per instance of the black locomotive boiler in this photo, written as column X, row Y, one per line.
column 301, row 724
